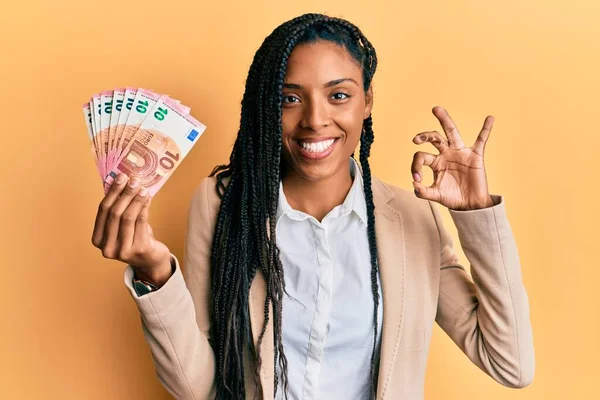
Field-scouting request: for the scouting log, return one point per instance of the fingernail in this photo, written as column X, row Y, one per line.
column 143, row 192
column 134, row 182
column 121, row 178
column 416, row 177
column 423, row 137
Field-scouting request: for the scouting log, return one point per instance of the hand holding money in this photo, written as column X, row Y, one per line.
column 122, row 231
column 138, row 139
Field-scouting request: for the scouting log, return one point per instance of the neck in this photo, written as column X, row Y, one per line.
column 316, row 198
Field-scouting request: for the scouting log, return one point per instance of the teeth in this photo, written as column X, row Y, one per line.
column 317, row 147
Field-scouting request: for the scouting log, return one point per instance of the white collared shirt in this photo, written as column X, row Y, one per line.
column 327, row 322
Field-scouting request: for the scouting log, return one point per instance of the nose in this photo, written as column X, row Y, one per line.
column 316, row 115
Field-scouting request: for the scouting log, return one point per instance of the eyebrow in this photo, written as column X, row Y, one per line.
column 327, row 85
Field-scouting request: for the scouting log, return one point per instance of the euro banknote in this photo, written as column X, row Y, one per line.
column 140, row 133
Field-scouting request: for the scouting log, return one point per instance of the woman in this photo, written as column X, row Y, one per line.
column 278, row 297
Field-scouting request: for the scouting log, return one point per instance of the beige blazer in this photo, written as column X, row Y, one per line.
column 487, row 316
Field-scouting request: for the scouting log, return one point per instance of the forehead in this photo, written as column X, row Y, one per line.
column 320, row 62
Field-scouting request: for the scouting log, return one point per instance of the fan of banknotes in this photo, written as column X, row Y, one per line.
column 139, row 133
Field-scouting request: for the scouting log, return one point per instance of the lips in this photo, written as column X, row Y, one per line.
column 316, row 149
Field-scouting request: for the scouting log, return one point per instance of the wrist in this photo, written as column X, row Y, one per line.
column 158, row 275
column 478, row 205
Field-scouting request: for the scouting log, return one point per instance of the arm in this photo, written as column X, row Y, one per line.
column 176, row 319
column 486, row 316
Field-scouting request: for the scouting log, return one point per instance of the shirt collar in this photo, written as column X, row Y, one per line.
column 354, row 202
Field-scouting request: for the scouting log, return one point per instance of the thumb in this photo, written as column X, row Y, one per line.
column 424, row 192
column 147, row 209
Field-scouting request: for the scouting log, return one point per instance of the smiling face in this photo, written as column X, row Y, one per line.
column 324, row 105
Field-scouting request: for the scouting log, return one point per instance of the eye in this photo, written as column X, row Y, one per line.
column 340, row 96
column 289, row 99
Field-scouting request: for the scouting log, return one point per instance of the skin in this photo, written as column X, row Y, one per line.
column 323, row 97
column 122, row 231
column 460, row 181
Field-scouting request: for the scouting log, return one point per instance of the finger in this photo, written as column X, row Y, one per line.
column 454, row 139
column 150, row 230
column 128, row 225
column 419, row 159
column 424, row 192
column 482, row 138
column 434, row 137
column 143, row 232
column 107, row 202
column 111, row 230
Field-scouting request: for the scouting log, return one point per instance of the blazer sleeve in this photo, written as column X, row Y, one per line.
column 176, row 318
column 487, row 315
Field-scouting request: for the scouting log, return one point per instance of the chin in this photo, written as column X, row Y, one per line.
column 315, row 173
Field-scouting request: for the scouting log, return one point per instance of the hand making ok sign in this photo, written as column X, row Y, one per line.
column 460, row 181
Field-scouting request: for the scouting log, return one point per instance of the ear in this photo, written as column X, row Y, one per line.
column 368, row 102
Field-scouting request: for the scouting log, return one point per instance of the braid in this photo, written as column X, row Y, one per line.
column 245, row 233
column 366, row 140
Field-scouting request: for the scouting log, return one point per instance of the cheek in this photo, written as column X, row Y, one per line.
column 286, row 127
column 352, row 142
column 351, row 122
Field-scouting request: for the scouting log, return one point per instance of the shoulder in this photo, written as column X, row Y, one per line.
column 205, row 202
column 419, row 217
column 399, row 199
column 207, row 188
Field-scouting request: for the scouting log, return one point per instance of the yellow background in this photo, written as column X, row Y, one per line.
column 69, row 329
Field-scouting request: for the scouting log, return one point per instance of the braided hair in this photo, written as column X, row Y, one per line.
column 244, row 237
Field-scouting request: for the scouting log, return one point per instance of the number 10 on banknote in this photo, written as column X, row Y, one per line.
column 140, row 133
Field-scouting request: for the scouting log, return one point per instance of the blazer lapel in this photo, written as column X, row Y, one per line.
column 391, row 257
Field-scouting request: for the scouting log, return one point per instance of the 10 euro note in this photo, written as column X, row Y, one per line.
column 159, row 145
column 88, row 114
